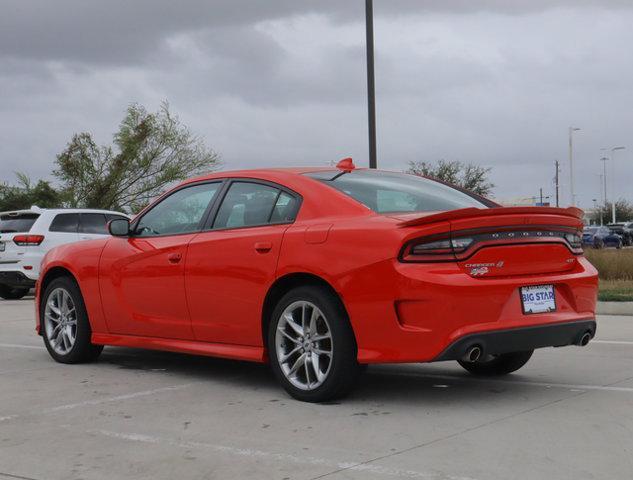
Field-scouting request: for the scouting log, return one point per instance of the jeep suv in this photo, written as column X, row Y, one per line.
column 26, row 236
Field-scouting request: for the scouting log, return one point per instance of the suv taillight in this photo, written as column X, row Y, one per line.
column 28, row 240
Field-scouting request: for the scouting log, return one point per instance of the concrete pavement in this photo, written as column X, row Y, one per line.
column 140, row 414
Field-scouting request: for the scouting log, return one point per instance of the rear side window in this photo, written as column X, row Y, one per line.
column 247, row 204
column 65, row 222
column 17, row 223
column 390, row 192
column 93, row 223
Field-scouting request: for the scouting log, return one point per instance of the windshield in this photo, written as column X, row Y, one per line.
column 390, row 192
column 590, row 230
column 17, row 222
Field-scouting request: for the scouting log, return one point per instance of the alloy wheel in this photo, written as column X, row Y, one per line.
column 303, row 342
column 60, row 321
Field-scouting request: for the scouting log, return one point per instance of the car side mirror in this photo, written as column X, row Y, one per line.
column 119, row 227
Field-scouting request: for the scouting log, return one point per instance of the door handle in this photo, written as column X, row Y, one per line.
column 174, row 257
column 263, row 247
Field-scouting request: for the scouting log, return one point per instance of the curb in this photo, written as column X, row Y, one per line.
column 614, row 308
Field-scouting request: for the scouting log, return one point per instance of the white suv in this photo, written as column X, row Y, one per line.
column 26, row 236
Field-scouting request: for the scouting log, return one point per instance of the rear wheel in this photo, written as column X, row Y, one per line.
column 503, row 364
column 10, row 293
column 311, row 345
column 65, row 325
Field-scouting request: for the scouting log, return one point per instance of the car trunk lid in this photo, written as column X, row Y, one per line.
column 13, row 224
column 503, row 241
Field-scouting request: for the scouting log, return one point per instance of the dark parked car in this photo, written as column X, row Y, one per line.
column 600, row 237
column 625, row 230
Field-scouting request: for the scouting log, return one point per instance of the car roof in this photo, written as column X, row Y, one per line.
column 62, row 210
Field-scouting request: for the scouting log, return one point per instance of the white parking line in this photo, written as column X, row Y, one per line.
column 99, row 401
column 15, row 345
column 612, row 342
column 607, row 388
column 283, row 457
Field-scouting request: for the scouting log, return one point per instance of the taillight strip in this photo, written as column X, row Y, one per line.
column 461, row 245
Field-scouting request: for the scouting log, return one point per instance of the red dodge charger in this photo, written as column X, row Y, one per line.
column 320, row 271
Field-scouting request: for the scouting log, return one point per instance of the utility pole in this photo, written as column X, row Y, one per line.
column 541, row 194
column 556, row 181
column 371, row 82
column 571, row 164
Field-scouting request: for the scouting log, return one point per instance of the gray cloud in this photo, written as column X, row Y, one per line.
column 283, row 82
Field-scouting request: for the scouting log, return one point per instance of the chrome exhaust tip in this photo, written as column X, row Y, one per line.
column 472, row 354
column 584, row 339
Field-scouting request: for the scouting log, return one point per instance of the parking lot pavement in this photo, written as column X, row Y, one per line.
column 139, row 414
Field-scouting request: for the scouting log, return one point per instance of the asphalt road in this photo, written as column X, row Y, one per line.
column 149, row 415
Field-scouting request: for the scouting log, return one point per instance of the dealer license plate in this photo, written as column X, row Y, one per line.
column 538, row 299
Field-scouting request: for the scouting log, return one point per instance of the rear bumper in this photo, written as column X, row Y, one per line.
column 16, row 279
column 520, row 339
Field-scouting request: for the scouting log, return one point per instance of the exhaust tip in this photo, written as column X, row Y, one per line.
column 584, row 340
column 472, row 354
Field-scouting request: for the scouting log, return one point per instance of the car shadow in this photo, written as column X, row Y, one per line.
column 437, row 385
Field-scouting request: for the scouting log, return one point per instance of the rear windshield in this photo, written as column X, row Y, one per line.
column 390, row 192
column 20, row 222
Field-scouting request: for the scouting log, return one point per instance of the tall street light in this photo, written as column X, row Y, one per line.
column 613, row 150
column 604, row 161
column 371, row 82
column 571, row 164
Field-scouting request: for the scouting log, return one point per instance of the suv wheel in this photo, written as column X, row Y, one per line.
column 65, row 325
column 502, row 364
column 311, row 345
column 10, row 293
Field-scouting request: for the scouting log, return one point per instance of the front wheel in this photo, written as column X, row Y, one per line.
column 492, row 365
column 10, row 293
column 64, row 323
column 311, row 345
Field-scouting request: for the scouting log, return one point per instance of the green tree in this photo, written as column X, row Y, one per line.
column 623, row 212
column 150, row 151
column 465, row 175
column 25, row 194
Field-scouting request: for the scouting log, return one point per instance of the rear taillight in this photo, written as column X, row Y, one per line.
column 28, row 240
column 462, row 244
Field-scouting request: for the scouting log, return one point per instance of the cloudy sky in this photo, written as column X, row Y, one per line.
column 282, row 82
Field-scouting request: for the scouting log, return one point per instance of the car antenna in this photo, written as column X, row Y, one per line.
column 345, row 166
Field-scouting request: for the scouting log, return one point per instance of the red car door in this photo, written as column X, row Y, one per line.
column 141, row 277
column 230, row 267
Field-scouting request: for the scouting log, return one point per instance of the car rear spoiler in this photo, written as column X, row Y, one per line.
column 571, row 212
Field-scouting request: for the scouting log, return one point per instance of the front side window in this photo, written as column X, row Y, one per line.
column 390, row 192
column 180, row 212
column 248, row 204
column 65, row 223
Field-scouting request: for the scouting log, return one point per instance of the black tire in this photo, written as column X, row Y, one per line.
column 83, row 350
column 344, row 369
column 12, row 293
column 498, row 364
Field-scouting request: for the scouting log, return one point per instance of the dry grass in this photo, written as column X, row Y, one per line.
column 612, row 264
column 616, row 291
column 615, row 268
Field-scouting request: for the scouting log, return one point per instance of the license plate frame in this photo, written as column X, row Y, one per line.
column 535, row 302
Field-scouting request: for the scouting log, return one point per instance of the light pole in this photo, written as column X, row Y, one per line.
column 604, row 161
column 371, row 82
column 571, row 164
column 613, row 150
